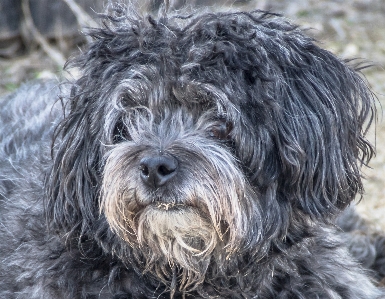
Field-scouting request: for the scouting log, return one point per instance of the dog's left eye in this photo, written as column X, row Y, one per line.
column 221, row 130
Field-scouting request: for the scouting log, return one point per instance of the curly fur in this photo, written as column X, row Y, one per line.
column 267, row 132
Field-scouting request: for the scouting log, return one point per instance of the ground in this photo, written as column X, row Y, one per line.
column 348, row 28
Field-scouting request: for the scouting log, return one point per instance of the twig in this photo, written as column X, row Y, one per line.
column 54, row 54
column 82, row 16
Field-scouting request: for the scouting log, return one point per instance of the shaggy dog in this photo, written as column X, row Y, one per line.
column 201, row 156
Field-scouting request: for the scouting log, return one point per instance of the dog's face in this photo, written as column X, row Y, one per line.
column 173, row 188
column 194, row 141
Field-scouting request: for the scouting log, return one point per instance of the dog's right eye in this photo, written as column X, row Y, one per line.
column 120, row 133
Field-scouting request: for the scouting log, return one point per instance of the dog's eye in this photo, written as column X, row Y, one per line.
column 120, row 133
column 221, row 130
column 125, row 101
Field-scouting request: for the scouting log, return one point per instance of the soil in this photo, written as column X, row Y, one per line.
column 348, row 28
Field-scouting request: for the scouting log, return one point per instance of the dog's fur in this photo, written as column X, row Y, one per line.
column 257, row 135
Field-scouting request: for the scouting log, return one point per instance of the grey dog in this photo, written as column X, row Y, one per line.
column 196, row 156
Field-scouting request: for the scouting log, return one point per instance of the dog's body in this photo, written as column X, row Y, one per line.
column 199, row 157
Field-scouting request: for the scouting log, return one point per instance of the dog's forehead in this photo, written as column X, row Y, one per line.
column 145, row 86
column 210, row 61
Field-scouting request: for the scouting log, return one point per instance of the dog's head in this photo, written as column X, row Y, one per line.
column 193, row 140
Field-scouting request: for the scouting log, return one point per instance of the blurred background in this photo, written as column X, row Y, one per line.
column 37, row 36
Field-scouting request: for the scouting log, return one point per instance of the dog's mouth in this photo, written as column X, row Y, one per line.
column 167, row 206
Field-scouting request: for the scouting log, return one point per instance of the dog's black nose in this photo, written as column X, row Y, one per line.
column 157, row 170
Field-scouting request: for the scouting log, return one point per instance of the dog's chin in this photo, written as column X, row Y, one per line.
column 171, row 229
column 176, row 242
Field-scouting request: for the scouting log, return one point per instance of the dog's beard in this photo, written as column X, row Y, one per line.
column 176, row 242
column 172, row 241
column 176, row 234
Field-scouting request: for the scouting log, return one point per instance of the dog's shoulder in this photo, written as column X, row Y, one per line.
column 28, row 116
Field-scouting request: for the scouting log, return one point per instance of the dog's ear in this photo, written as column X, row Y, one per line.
column 72, row 185
column 73, row 179
column 324, row 108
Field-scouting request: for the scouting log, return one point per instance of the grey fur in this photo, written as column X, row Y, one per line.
column 267, row 131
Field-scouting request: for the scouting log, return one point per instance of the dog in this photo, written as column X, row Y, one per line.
column 195, row 156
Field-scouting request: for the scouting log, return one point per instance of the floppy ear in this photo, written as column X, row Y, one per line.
column 72, row 184
column 325, row 109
